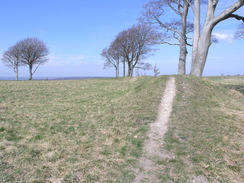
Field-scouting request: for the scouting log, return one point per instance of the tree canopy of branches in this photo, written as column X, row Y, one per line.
column 112, row 57
column 157, row 12
column 34, row 53
column 12, row 58
column 30, row 52
column 136, row 44
column 202, row 37
column 132, row 46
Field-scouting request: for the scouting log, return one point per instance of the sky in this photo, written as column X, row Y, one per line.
column 76, row 31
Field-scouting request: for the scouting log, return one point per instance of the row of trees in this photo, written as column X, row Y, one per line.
column 130, row 47
column 180, row 31
column 30, row 52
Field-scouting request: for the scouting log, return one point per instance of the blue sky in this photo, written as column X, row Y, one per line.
column 76, row 31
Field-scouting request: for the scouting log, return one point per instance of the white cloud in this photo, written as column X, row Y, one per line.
column 226, row 37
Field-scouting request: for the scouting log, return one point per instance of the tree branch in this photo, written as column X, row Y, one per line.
column 228, row 12
column 166, row 27
column 177, row 11
column 172, row 44
column 188, row 1
column 36, row 68
column 238, row 17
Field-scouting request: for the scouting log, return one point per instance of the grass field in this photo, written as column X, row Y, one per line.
column 75, row 131
column 230, row 82
column 93, row 130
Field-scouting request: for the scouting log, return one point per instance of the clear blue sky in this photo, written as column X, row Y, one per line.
column 76, row 31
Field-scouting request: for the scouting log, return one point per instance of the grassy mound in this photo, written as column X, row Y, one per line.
column 205, row 133
column 75, row 131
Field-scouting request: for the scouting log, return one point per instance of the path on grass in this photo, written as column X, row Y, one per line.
column 152, row 149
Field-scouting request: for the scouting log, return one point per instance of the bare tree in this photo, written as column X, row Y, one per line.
column 34, row 53
column 12, row 59
column 202, row 38
column 156, row 12
column 112, row 58
column 135, row 44
column 156, row 70
column 143, row 66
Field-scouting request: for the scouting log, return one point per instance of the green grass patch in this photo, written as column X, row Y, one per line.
column 75, row 131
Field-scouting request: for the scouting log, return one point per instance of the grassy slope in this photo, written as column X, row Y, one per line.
column 205, row 134
column 93, row 130
column 75, row 131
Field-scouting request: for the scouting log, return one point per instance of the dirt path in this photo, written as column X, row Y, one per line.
column 152, row 149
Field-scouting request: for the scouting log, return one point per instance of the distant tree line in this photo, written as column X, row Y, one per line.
column 30, row 52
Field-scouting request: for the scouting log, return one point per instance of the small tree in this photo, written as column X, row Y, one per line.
column 34, row 53
column 156, row 70
column 112, row 57
column 136, row 44
column 12, row 58
column 143, row 66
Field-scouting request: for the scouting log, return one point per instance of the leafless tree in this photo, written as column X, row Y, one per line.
column 158, row 12
column 156, row 70
column 12, row 58
column 239, row 34
column 202, row 37
column 135, row 44
column 112, row 57
column 143, row 66
column 34, row 53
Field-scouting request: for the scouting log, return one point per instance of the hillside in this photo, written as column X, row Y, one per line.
column 75, row 131
column 206, row 133
column 93, row 130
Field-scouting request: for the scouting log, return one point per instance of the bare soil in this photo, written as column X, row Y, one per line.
column 153, row 147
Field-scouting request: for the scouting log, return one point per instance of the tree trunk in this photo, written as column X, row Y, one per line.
column 197, row 25
column 117, row 71
column 201, row 52
column 30, row 71
column 129, row 74
column 202, row 41
column 182, row 58
column 183, row 51
column 123, row 68
column 17, row 73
